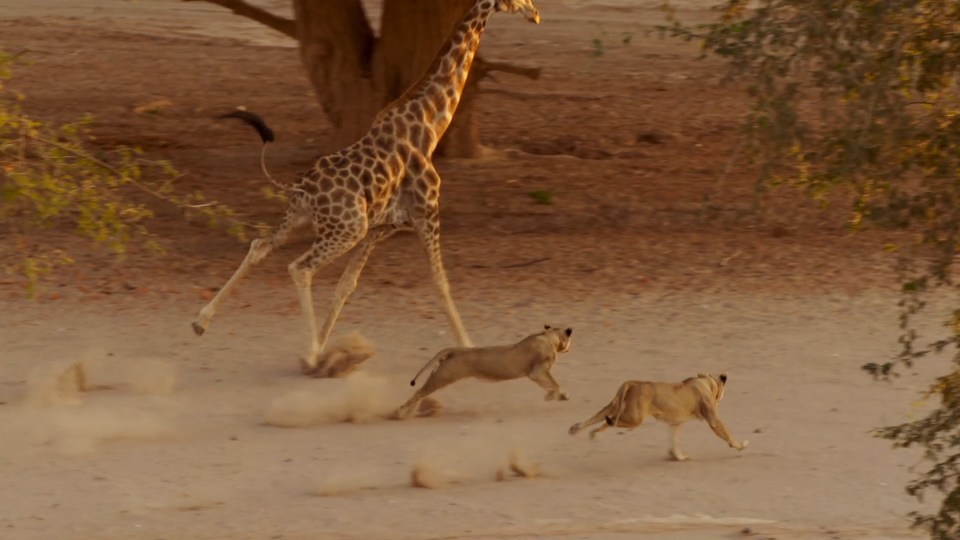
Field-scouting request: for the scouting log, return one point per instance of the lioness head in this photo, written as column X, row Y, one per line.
column 717, row 384
column 559, row 336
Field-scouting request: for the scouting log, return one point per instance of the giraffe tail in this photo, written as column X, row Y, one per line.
column 266, row 135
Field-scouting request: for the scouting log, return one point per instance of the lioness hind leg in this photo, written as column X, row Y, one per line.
column 624, row 421
column 593, row 433
column 437, row 380
column 595, row 419
column 545, row 380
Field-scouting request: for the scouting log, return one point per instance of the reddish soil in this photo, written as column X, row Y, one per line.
column 629, row 144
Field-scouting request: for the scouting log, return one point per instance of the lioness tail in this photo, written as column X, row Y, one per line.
column 619, row 397
column 442, row 355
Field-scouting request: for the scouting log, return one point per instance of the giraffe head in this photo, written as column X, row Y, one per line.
column 524, row 7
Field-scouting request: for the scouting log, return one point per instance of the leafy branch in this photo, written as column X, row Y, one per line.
column 865, row 95
column 49, row 177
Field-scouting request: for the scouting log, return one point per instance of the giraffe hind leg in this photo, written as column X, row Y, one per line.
column 259, row 249
column 429, row 232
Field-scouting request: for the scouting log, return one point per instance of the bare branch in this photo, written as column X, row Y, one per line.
column 262, row 16
column 482, row 68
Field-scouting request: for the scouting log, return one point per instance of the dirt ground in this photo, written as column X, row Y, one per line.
column 220, row 438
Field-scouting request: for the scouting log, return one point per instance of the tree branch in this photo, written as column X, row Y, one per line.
column 482, row 68
column 262, row 16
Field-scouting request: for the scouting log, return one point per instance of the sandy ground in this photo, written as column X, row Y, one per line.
column 220, row 438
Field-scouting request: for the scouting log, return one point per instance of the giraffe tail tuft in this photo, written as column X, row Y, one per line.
column 254, row 120
column 266, row 135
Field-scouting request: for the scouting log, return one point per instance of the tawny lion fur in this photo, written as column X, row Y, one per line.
column 671, row 403
column 532, row 357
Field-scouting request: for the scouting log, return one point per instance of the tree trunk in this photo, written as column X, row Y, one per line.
column 354, row 74
column 336, row 46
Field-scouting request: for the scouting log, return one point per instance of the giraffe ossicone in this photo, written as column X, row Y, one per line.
column 383, row 183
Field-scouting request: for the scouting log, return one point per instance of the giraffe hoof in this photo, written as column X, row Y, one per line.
column 197, row 329
column 307, row 369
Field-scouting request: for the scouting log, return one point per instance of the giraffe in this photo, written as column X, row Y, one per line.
column 382, row 184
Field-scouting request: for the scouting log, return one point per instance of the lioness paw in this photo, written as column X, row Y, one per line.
column 564, row 397
column 743, row 445
column 574, row 429
column 402, row 413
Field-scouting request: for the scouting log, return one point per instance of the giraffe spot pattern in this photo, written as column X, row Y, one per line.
column 386, row 169
column 389, row 167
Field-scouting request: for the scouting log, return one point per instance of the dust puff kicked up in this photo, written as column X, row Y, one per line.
column 364, row 397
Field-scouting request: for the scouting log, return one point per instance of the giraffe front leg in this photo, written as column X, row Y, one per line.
column 302, row 279
column 428, row 229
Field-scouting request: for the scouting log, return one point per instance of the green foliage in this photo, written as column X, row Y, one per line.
column 542, row 196
column 49, row 177
column 598, row 47
column 864, row 94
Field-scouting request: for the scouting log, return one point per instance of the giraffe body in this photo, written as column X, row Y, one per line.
column 383, row 183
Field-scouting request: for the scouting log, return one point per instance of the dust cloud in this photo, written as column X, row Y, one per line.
column 477, row 454
column 61, row 382
column 350, row 480
column 364, row 397
column 85, row 428
column 150, row 376
column 62, row 406
column 343, row 356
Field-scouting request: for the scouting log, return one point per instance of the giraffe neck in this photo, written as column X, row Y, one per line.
column 433, row 100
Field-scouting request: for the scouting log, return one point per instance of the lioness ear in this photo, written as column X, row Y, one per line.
column 569, row 331
column 546, row 327
column 723, row 378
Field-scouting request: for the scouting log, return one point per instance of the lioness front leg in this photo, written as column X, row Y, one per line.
column 713, row 420
column 675, row 452
column 542, row 377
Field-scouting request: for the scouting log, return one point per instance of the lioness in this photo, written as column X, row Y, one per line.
column 531, row 357
column 672, row 403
